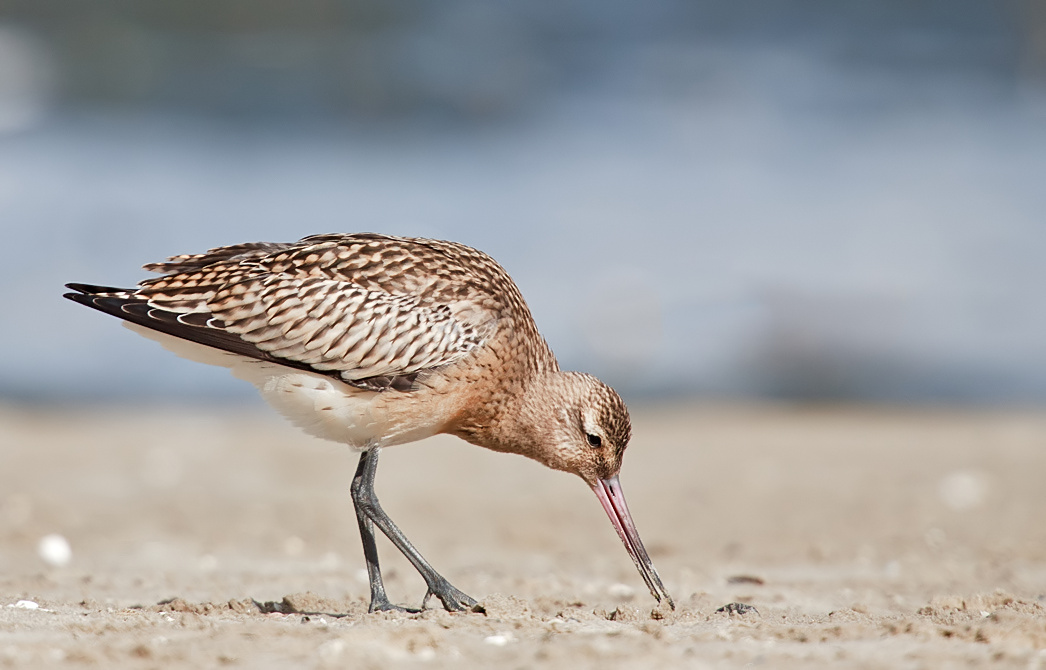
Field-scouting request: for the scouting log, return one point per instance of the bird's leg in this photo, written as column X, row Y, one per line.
column 379, row 602
column 368, row 510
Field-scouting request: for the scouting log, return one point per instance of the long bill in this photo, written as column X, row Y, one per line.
column 613, row 500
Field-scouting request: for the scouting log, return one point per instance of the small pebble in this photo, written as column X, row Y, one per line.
column 737, row 608
column 26, row 605
column 498, row 640
column 55, row 550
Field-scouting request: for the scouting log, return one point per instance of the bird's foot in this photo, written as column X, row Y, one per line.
column 383, row 605
column 453, row 600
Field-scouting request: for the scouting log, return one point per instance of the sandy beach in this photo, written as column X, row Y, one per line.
column 862, row 537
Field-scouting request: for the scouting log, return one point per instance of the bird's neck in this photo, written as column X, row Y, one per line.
column 520, row 420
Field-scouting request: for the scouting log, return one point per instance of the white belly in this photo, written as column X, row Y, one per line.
column 317, row 404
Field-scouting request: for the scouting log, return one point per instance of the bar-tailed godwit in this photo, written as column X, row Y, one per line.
column 372, row 340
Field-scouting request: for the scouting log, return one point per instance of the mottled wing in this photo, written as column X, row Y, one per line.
column 185, row 263
column 282, row 303
column 335, row 326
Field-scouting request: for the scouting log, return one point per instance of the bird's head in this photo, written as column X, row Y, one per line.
column 578, row 424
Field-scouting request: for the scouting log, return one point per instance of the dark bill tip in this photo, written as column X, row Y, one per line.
column 613, row 500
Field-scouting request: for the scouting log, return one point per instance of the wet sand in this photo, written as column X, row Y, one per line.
column 863, row 537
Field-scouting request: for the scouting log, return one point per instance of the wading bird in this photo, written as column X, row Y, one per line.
column 372, row 340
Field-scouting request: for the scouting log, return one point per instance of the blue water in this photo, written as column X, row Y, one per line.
column 776, row 225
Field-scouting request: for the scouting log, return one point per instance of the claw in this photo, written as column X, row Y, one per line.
column 453, row 600
column 386, row 606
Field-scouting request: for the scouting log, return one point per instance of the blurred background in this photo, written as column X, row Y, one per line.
column 747, row 199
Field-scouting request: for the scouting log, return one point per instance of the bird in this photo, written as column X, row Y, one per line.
column 374, row 340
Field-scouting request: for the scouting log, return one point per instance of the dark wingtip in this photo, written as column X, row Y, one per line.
column 94, row 288
column 77, row 297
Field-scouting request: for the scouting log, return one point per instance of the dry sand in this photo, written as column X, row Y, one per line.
column 223, row 538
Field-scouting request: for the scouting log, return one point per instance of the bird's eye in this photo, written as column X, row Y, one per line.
column 594, row 440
